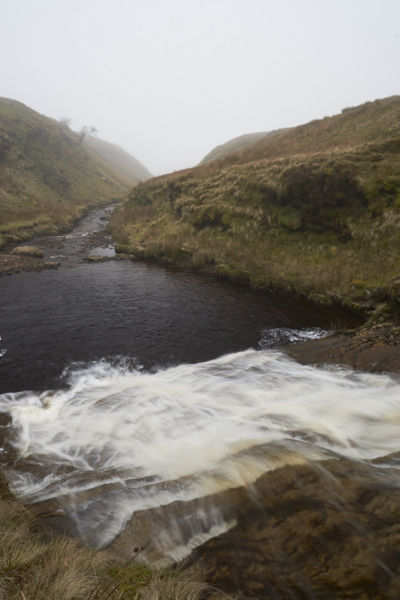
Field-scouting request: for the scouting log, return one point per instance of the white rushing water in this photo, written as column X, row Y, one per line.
column 192, row 430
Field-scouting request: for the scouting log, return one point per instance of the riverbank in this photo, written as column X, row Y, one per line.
column 374, row 349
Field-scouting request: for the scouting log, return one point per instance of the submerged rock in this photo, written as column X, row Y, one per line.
column 93, row 258
column 50, row 264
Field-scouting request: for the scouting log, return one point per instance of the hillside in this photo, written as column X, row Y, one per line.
column 118, row 159
column 233, row 145
column 355, row 126
column 48, row 178
column 314, row 209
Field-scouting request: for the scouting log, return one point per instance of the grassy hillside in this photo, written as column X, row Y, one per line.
column 314, row 209
column 118, row 159
column 47, row 177
column 232, row 146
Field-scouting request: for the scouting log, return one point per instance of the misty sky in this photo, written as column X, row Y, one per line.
column 168, row 80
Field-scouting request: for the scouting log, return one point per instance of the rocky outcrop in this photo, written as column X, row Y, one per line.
column 326, row 531
column 374, row 349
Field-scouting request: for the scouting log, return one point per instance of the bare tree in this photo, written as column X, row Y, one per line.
column 86, row 130
column 65, row 121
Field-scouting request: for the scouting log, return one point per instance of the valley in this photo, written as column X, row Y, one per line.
column 199, row 375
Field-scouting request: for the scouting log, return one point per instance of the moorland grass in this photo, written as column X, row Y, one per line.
column 313, row 209
column 38, row 564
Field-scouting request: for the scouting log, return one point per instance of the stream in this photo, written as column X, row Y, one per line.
column 151, row 409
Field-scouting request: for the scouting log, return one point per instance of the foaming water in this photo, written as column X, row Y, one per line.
column 273, row 337
column 2, row 350
column 120, row 440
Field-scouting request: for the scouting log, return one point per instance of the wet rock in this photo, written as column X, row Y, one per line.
column 168, row 533
column 61, row 513
column 5, row 419
column 326, row 531
column 375, row 349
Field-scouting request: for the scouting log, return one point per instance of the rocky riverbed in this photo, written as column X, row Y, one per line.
column 90, row 239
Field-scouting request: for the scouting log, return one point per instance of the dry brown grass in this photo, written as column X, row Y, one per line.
column 173, row 588
column 314, row 209
column 369, row 123
column 37, row 564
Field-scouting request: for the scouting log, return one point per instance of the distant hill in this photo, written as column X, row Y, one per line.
column 313, row 209
column 355, row 126
column 120, row 160
column 233, row 145
column 48, row 177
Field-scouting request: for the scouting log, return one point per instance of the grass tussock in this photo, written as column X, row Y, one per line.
column 314, row 210
column 172, row 588
column 37, row 564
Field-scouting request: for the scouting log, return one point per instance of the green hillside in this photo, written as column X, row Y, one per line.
column 313, row 209
column 48, row 178
column 233, row 145
column 118, row 159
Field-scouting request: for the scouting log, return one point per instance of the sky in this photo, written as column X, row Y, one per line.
column 168, row 80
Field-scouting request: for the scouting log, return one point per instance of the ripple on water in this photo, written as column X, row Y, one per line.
column 157, row 316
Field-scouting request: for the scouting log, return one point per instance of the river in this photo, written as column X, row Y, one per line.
column 151, row 410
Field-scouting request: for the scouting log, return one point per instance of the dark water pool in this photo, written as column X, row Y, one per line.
column 145, row 313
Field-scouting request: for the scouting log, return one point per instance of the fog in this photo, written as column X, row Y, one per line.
column 168, row 80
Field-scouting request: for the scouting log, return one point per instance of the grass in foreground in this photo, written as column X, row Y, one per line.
column 37, row 564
